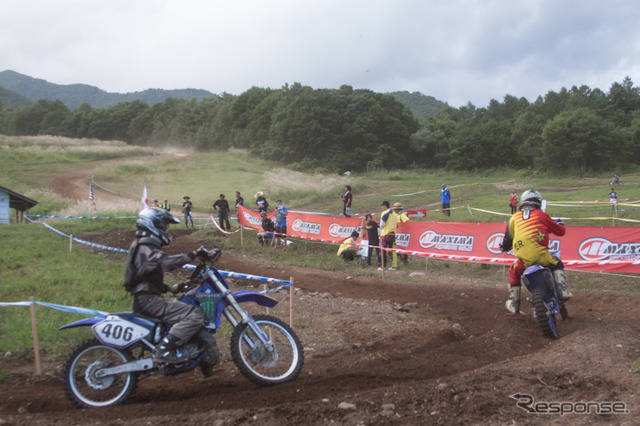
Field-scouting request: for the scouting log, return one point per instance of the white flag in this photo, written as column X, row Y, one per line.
column 145, row 199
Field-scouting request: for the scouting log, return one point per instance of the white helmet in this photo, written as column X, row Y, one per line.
column 530, row 199
column 154, row 222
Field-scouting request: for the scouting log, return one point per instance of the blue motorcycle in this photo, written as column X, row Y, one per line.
column 105, row 370
column 544, row 297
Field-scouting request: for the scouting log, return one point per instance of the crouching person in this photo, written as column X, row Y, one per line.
column 265, row 237
column 144, row 279
column 349, row 247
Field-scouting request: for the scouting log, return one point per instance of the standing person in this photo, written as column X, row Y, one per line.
column 349, row 247
column 613, row 199
column 388, row 225
column 528, row 235
column 222, row 206
column 445, row 196
column 261, row 202
column 166, row 205
column 281, row 224
column 513, row 201
column 268, row 228
column 156, row 203
column 144, row 279
column 347, row 198
column 239, row 200
column 372, row 228
column 402, row 217
column 187, row 206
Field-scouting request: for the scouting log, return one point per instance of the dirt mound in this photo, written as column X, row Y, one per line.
column 432, row 352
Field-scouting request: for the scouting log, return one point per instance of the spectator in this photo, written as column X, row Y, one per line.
column 261, row 202
column 513, row 201
column 222, row 206
column 166, row 205
column 388, row 225
column 445, row 196
column 372, row 228
column 187, row 206
column 347, row 198
column 239, row 200
column 268, row 228
column 349, row 247
column 402, row 217
column 281, row 224
column 613, row 199
column 156, row 203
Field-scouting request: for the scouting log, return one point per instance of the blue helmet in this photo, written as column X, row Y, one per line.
column 154, row 221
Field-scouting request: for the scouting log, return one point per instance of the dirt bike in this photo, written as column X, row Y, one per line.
column 540, row 282
column 615, row 181
column 105, row 370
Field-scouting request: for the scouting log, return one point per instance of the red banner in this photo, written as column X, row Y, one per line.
column 587, row 248
column 309, row 226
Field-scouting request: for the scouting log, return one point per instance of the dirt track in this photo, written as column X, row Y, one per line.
column 432, row 352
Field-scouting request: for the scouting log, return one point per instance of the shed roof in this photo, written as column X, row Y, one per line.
column 17, row 201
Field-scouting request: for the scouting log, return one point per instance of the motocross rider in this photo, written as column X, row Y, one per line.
column 144, row 278
column 528, row 235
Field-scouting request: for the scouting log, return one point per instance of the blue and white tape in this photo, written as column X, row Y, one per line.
column 70, row 309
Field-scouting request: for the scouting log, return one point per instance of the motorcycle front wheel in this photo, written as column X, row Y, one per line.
column 267, row 365
column 544, row 316
column 84, row 388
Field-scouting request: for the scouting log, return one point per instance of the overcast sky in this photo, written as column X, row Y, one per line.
column 458, row 51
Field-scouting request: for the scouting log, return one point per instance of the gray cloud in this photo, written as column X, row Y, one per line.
column 462, row 51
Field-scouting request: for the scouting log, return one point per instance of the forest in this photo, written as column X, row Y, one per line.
column 576, row 130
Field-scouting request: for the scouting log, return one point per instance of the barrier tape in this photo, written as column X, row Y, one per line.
column 79, row 217
column 219, row 228
column 71, row 309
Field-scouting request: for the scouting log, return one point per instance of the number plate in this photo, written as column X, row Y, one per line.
column 118, row 332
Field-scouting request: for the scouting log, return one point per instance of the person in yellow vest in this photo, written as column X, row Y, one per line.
column 402, row 217
column 349, row 247
column 166, row 205
column 388, row 225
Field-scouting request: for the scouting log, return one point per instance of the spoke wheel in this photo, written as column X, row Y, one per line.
column 82, row 383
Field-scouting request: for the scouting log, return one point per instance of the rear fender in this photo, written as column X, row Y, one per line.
column 117, row 330
column 84, row 322
column 536, row 276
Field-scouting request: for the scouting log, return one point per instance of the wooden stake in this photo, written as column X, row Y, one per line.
column 70, row 242
column 291, row 303
column 34, row 333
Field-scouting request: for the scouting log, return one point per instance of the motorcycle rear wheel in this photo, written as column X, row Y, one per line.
column 256, row 362
column 545, row 318
column 81, row 385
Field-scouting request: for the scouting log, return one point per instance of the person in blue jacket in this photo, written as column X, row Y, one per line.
column 445, row 196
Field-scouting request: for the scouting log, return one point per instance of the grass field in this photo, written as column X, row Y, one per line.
column 36, row 262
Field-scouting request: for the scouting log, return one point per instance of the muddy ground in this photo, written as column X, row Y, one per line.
column 440, row 349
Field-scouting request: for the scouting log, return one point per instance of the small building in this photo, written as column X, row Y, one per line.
column 13, row 200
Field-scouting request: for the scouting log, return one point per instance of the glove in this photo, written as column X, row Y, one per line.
column 178, row 288
column 202, row 252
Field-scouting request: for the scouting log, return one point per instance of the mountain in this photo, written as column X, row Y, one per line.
column 12, row 99
column 422, row 106
column 74, row 95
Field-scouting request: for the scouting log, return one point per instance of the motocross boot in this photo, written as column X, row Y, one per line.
column 563, row 291
column 211, row 355
column 168, row 350
column 513, row 304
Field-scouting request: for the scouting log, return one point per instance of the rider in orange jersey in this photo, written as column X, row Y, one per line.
column 528, row 235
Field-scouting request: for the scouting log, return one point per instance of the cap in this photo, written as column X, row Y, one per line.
column 222, row 195
column 443, row 185
column 259, row 194
column 397, row 206
column 186, row 197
